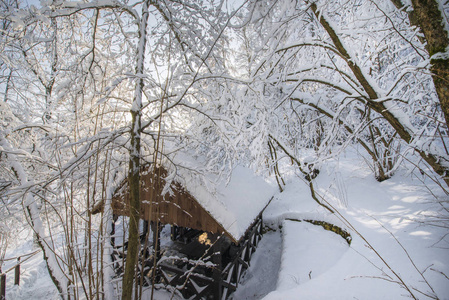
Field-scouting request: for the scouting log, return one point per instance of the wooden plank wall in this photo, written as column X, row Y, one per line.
column 175, row 208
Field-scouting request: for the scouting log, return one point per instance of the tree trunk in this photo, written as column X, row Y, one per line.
column 134, row 162
column 427, row 16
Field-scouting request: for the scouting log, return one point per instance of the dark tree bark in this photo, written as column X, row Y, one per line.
column 134, row 162
column 426, row 15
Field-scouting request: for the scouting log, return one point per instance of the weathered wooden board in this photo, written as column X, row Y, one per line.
column 176, row 208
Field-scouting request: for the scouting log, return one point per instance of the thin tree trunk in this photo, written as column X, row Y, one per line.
column 134, row 162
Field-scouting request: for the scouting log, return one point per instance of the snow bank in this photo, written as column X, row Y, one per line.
column 307, row 252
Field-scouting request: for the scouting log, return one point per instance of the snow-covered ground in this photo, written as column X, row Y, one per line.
column 396, row 238
column 392, row 218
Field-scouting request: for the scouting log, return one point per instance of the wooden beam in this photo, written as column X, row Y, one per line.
column 2, row 286
column 217, row 271
column 17, row 273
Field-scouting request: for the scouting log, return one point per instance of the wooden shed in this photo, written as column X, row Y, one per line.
column 177, row 207
column 226, row 207
column 230, row 210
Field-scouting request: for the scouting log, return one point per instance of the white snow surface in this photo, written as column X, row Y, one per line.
column 244, row 197
column 306, row 242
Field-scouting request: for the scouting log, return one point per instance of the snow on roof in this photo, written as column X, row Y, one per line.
column 234, row 203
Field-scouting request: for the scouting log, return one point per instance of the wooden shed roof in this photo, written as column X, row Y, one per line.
column 228, row 206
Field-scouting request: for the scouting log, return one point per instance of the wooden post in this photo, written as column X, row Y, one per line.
column 174, row 232
column 17, row 272
column 156, row 228
column 114, row 219
column 2, row 286
column 145, row 230
column 216, row 276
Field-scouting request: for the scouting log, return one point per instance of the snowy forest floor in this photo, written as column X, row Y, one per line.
column 400, row 218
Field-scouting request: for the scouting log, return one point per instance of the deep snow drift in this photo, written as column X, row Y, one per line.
column 400, row 219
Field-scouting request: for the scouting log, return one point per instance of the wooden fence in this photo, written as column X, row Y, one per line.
column 232, row 273
column 16, row 269
column 197, row 280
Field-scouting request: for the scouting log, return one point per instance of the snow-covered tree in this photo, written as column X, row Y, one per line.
column 92, row 104
column 345, row 70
